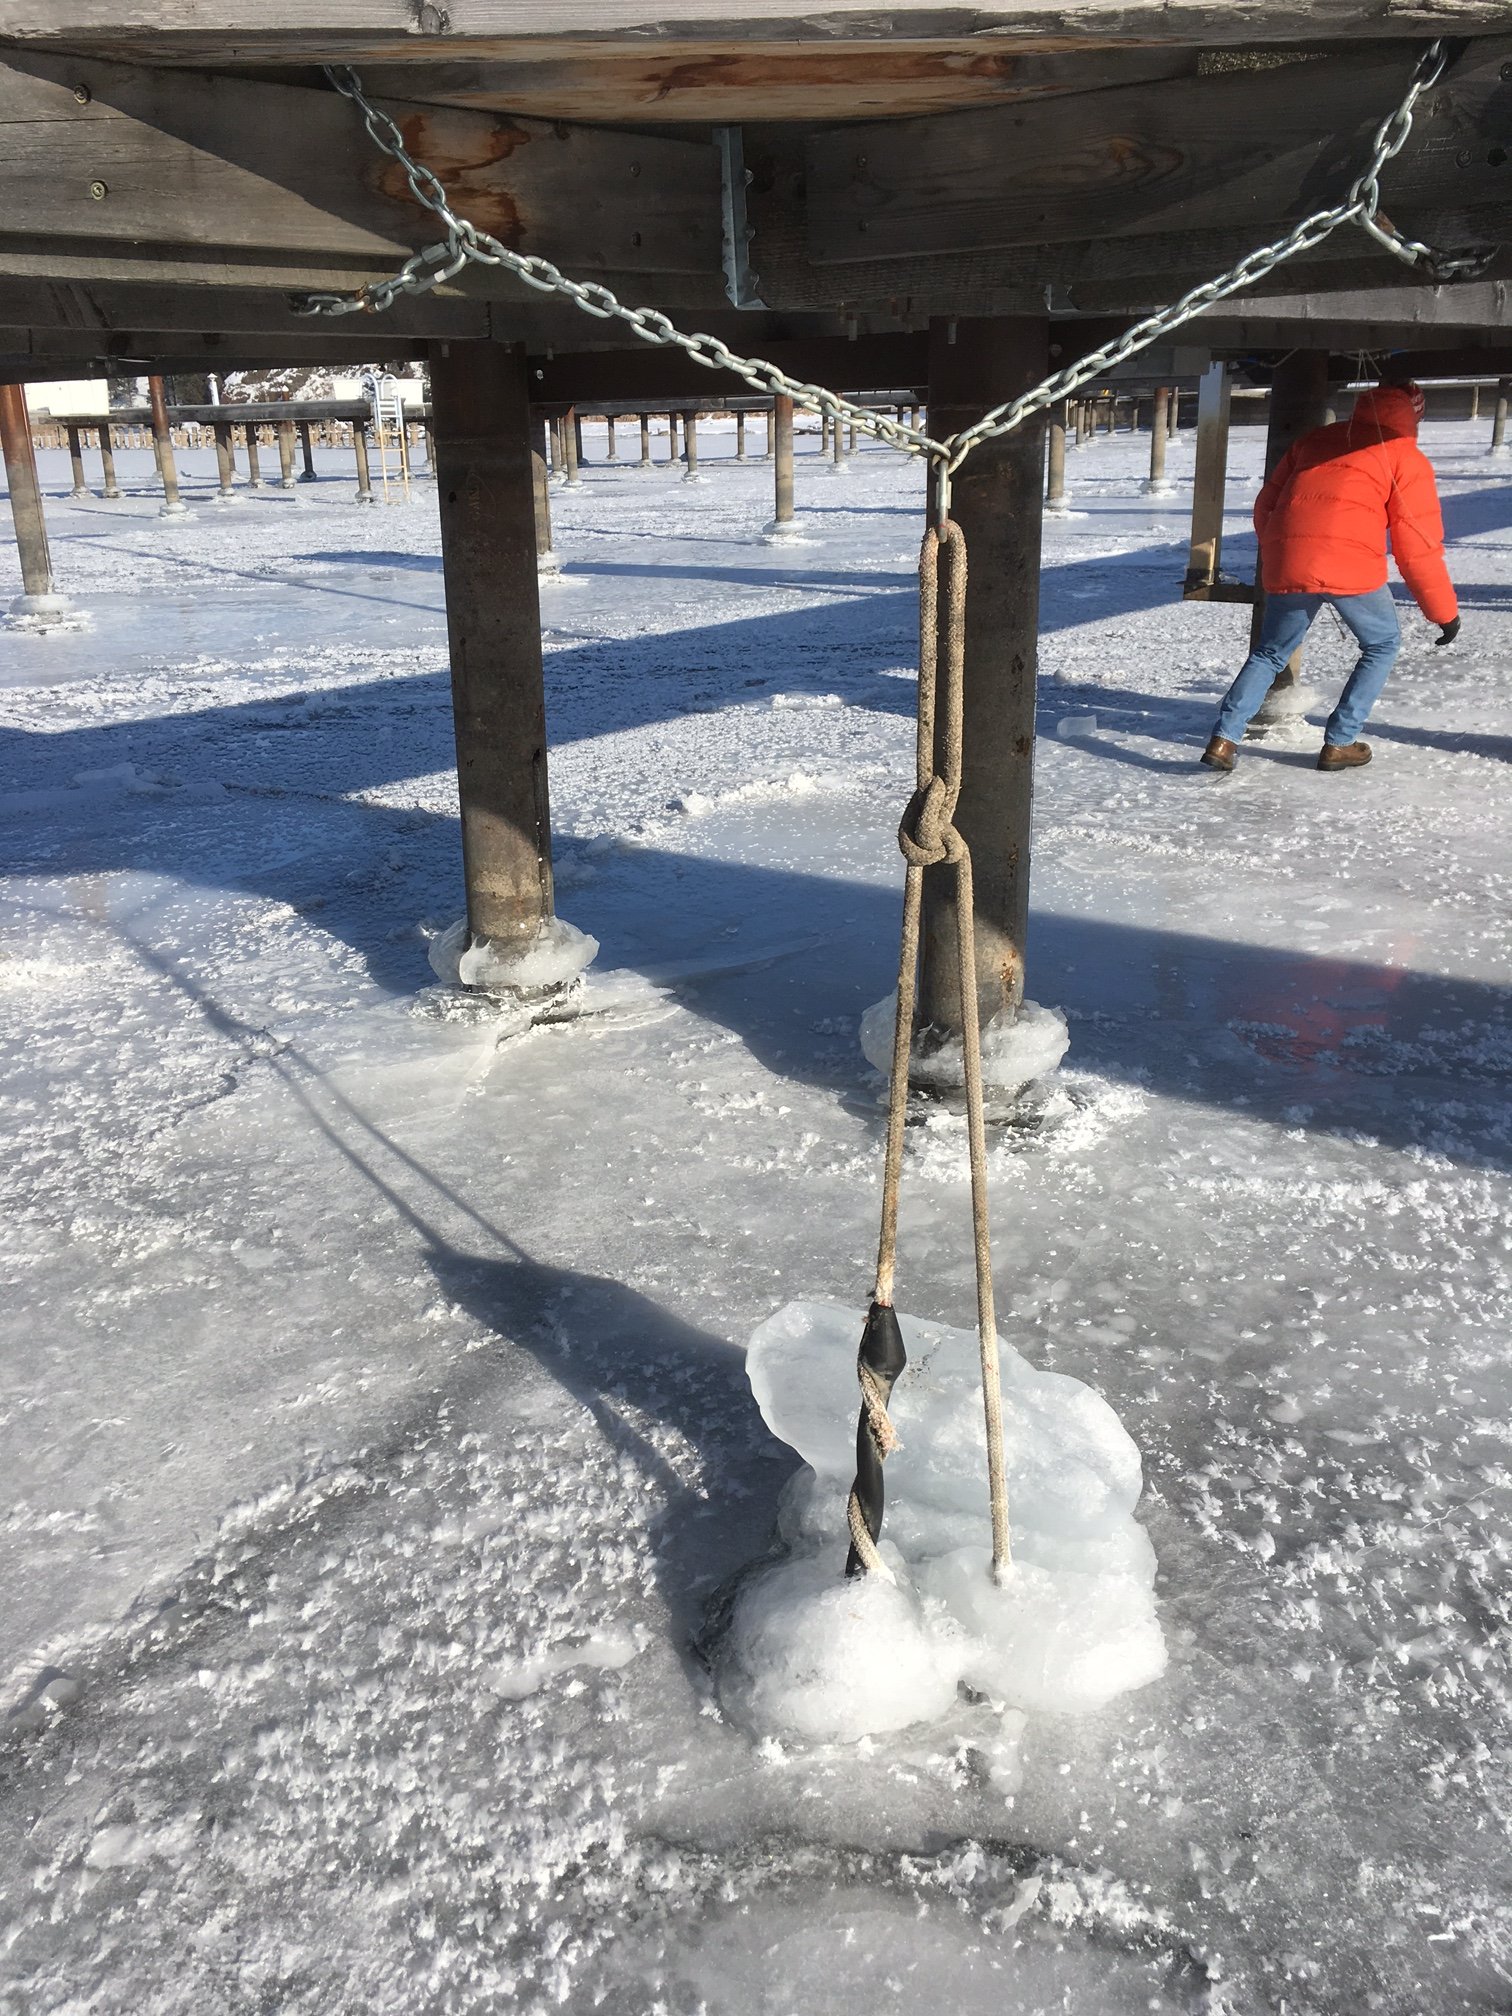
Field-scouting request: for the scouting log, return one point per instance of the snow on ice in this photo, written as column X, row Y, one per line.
column 375, row 1416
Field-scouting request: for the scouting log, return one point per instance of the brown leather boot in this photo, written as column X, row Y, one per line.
column 1343, row 755
column 1219, row 754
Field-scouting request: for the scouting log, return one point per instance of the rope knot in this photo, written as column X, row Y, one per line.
column 925, row 831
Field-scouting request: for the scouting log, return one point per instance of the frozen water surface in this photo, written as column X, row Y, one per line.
column 376, row 1426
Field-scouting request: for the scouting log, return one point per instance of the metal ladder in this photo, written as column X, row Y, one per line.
column 386, row 403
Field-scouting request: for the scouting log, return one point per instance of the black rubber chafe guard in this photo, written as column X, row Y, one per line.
column 883, row 1356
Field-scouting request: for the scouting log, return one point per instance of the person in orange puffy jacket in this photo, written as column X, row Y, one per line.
column 1323, row 518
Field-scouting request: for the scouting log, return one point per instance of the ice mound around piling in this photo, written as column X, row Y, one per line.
column 555, row 954
column 1015, row 1049
column 812, row 1656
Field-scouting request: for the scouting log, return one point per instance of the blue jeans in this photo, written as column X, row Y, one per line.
column 1287, row 620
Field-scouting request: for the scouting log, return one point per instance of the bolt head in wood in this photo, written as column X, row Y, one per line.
column 82, row 94
column 99, row 191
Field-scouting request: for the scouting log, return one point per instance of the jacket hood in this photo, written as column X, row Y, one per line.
column 1386, row 410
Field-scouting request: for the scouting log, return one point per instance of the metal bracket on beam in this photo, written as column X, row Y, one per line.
column 734, row 179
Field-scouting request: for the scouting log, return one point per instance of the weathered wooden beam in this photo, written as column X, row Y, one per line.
column 306, row 31
column 1156, row 483
column 997, row 500
column 76, row 463
column 782, row 441
column 1258, row 146
column 173, row 506
column 97, row 151
column 1209, row 483
column 25, row 493
column 1055, row 462
column 31, row 352
column 677, row 80
column 871, row 362
column 485, row 484
column 225, row 462
column 124, row 289
column 1481, row 304
column 1499, row 418
column 107, row 462
column 540, row 488
column 360, row 454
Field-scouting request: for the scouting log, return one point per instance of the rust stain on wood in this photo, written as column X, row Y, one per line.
column 464, row 156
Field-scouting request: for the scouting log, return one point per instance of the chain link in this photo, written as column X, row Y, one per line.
column 465, row 244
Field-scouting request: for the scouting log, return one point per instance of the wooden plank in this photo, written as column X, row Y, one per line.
column 1209, row 479
column 27, row 355
column 997, row 501
column 248, row 291
column 1484, row 304
column 1101, row 275
column 27, row 517
column 1348, row 339
column 870, row 363
column 1251, row 148
column 481, row 440
column 1349, row 263
column 176, row 159
column 798, row 81
column 96, row 308
column 419, row 30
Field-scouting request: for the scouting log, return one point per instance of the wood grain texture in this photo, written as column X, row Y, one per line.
column 1245, row 149
column 801, row 81
column 422, row 30
column 481, row 445
column 997, row 499
column 182, row 159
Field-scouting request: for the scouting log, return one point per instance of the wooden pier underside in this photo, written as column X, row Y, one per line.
column 166, row 167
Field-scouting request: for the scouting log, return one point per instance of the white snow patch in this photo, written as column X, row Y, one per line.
column 118, row 1847
column 116, row 777
column 606, row 1651
column 1015, row 1051
column 814, row 1656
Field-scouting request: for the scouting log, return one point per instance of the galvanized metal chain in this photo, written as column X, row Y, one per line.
column 465, row 244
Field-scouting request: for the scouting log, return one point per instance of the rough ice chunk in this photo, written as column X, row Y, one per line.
column 1287, row 703
column 1015, row 1050
column 556, row 954
column 41, row 613
column 1070, row 726
column 813, row 1656
column 817, row 1656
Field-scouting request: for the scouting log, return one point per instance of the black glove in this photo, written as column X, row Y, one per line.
column 1447, row 633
